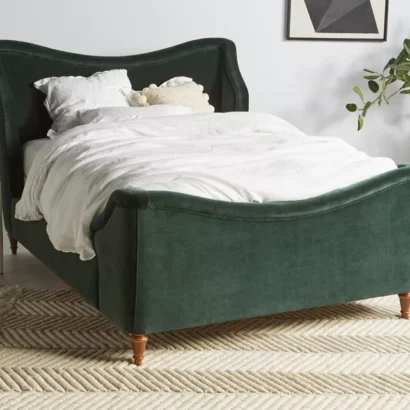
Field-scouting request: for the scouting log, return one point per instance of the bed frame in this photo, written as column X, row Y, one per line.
column 168, row 261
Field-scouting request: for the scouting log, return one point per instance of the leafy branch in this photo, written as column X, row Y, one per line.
column 380, row 84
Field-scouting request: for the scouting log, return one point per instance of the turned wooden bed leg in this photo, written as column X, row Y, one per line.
column 13, row 244
column 405, row 305
column 138, row 344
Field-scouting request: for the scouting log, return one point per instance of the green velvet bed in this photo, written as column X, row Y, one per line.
column 168, row 261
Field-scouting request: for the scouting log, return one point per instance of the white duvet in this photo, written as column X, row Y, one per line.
column 239, row 157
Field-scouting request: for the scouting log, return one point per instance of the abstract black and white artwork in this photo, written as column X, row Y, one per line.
column 338, row 20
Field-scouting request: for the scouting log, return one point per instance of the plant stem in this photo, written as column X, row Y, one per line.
column 401, row 88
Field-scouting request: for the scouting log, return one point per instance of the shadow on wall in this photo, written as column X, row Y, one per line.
column 387, row 129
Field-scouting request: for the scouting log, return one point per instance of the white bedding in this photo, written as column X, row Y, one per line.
column 240, row 157
column 30, row 150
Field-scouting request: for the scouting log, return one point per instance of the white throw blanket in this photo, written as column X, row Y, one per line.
column 239, row 157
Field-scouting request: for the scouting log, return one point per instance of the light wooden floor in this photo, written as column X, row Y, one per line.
column 25, row 270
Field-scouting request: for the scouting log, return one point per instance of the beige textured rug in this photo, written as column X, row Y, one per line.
column 58, row 353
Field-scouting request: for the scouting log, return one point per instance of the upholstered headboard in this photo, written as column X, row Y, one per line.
column 211, row 62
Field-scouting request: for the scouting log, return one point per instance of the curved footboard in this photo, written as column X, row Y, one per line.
column 169, row 261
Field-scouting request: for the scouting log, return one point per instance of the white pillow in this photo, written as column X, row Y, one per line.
column 177, row 91
column 67, row 95
column 114, row 114
column 176, row 81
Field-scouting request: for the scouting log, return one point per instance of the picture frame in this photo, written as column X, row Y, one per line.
column 329, row 20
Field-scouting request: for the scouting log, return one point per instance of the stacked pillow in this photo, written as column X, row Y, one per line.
column 107, row 96
column 65, row 96
column 116, row 114
column 177, row 91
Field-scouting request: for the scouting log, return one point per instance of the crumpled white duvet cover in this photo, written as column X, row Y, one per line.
column 239, row 157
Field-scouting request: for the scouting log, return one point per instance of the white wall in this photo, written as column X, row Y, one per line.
column 308, row 83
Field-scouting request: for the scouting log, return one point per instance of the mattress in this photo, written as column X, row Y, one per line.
column 30, row 150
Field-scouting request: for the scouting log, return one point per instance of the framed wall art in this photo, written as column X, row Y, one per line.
column 360, row 20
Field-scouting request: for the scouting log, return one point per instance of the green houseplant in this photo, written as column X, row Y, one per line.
column 396, row 71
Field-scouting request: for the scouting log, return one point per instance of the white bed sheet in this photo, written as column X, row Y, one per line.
column 30, row 150
column 236, row 157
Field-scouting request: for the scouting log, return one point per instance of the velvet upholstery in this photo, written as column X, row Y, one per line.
column 210, row 62
column 192, row 261
column 168, row 261
column 76, row 273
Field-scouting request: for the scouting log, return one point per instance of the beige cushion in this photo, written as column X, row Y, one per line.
column 187, row 94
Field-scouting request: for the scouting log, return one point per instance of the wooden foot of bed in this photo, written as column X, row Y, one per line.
column 138, row 344
column 13, row 244
column 405, row 305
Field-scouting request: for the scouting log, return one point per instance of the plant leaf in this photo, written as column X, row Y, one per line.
column 360, row 123
column 407, row 48
column 401, row 57
column 374, row 87
column 391, row 61
column 406, row 84
column 358, row 91
column 351, row 107
column 401, row 67
column 371, row 77
column 365, row 108
column 370, row 71
column 405, row 92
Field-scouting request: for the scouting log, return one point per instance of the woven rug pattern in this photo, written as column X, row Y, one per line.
column 58, row 352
